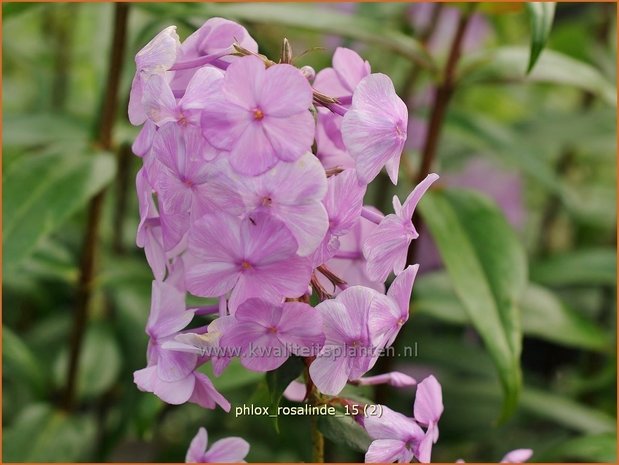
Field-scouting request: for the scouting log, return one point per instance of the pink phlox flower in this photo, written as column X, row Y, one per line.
column 386, row 323
column 396, row 437
column 348, row 261
column 228, row 450
column 149, row 234
column 374, row 130
column 181, row 180
column 161, row 106
column 251, row 257
column 212, row 43
column 261, row 115
column 348, row 352
column 339, row 81
column 428, row 409
column 343, row 202
column 386, row 248
column 291, row 192
column 267, row 334
column 155, row 58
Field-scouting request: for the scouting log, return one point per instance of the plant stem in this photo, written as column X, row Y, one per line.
column 318, row 440
column 442, row 97
column 89, row 249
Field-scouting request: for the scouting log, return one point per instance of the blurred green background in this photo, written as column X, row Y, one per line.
column 539, row 152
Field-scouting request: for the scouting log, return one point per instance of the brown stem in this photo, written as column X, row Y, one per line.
column 89, row 249
column 442, row 97
column 122, row 190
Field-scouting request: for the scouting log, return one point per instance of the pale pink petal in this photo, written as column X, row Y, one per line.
column 158, row 101
column 328, row 82
column 428, row 401
column 329, row 372
column 415, row 196
column 424, row 449
column 374, row 129
column 173, row 365
column 205, row 395
column 204, row 84
column 392, row 425
column 243, row 82
column 350, row 67
column 308, row 224
column 296, row 391
column 386, row 247
column 253, row 152
column 176, row 392
column 401, row 289
column 343, row 201
column 300, row 326
column 167, row 311
column 228, row 450
column 284, row 91
column 146, row 378
column 290, row 136
column 160, row 53
column 197, row 447
column 224, row 122
column 386, row 451
column 517, row 456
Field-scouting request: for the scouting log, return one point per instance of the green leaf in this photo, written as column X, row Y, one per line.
column 592, row 448
column 326, row 21
column 591, row 267
column 506, row 65
column 20, row 364
column 567, row 412
column 42, row 192
column 34, row 130
column 278, row 380
column 481, row 133
column 42, row 434
column 544, row 315
column 541, row 16
column 99, row 363
column 488, row 268
column 343, row 429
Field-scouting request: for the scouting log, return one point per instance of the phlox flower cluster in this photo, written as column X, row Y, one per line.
column 251, row 194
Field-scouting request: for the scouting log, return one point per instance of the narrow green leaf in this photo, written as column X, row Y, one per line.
column 326, row 21
column 41, row 434
column 99, row 363
column 41, row 192
column 278, row 380
column 34, row 130
column 506, row 65
column 567, row 412
column 543, row 313
column 541, row 15
column 20, row 364
column 591, row 448
column 591, row 267
column 487, row 266
column 344, row 430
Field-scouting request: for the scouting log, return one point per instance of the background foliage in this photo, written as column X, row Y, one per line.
column 515, row 313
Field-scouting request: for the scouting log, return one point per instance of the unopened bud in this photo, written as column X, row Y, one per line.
column 286, row 55
column 309, row 73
